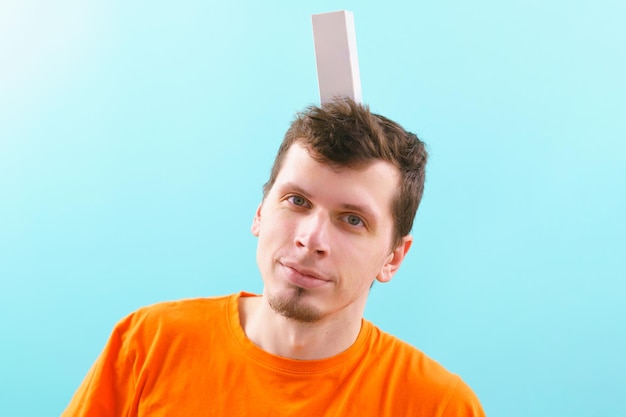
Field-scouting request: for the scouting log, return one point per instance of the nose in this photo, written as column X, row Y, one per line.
column 313, row 234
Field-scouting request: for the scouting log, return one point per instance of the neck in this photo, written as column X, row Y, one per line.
column 291, row 339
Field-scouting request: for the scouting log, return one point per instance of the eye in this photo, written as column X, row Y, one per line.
column 297, row 200
column 353, row 220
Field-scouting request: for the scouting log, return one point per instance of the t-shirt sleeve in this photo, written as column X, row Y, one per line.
column 463, row 402
column 109, row 387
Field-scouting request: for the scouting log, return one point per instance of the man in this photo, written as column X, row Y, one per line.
column 335, row 216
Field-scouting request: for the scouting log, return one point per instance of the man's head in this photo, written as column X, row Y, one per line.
column 343, row 133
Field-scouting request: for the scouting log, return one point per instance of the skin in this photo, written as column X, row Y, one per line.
column 324, row 235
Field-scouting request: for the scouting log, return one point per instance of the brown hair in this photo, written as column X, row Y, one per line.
column 346, row 134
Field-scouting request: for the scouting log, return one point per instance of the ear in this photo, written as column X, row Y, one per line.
column 394, row 259
column 256, row 222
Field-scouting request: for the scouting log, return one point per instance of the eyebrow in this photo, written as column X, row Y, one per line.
column 369, row 214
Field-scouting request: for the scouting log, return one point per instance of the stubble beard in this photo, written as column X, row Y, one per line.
column 293, row 307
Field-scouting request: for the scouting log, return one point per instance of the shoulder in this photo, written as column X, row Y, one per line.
column 412, row 373
column 173, row 317
column 416, row 365
column 183, row 309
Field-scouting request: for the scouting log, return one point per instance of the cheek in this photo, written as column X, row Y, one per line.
column 359, row 257
column 273, row 236
column 373, row 262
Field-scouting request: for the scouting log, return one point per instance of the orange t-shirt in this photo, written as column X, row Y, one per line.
column 192, row 358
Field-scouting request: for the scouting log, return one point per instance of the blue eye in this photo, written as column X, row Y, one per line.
column 297, row 200
column 353, row 220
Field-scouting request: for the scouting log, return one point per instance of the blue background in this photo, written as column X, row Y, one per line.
column 135, row 137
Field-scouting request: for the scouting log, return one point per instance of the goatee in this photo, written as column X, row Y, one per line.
column 293, row 307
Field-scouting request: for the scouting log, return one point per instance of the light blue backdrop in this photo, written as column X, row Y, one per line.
column 135, row 137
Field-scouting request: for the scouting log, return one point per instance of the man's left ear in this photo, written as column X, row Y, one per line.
column 394, row 259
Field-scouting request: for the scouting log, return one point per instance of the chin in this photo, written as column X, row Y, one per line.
column 292, row 304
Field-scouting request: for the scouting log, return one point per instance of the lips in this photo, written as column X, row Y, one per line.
column 303, row 277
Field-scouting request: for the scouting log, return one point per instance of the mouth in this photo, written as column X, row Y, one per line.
column 303, row 277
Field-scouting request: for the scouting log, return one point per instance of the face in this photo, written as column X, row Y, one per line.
column 324, row 235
